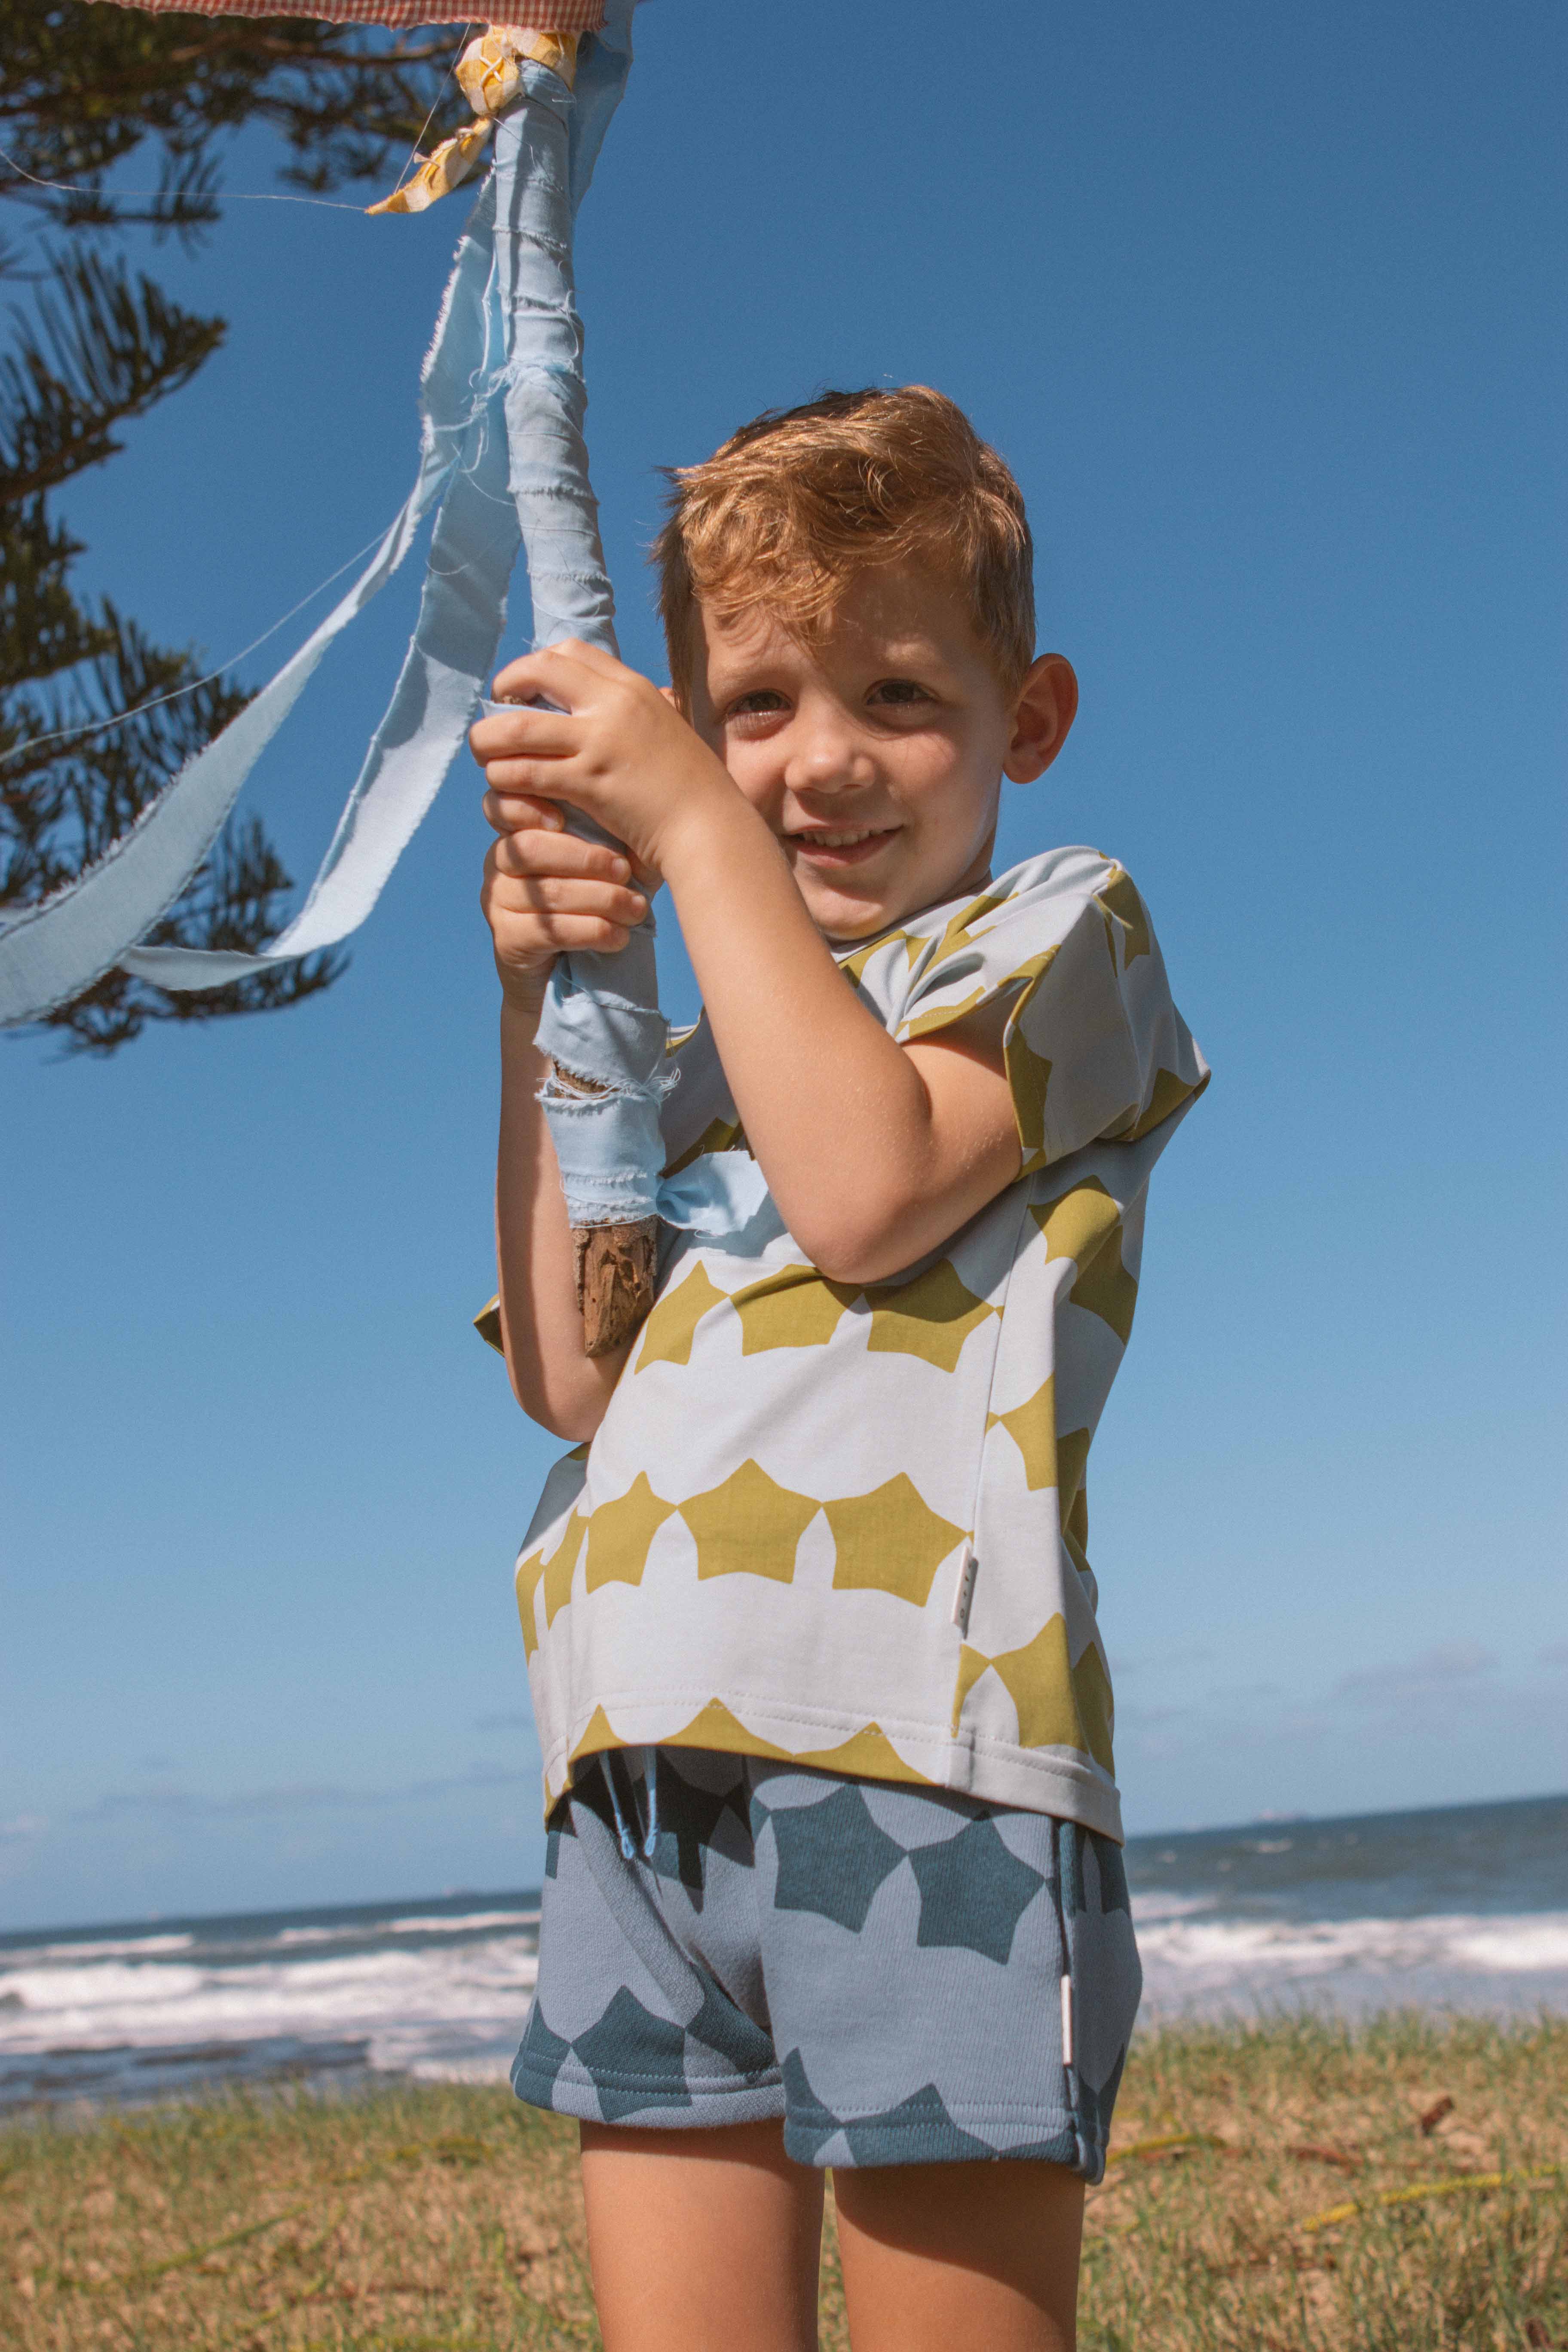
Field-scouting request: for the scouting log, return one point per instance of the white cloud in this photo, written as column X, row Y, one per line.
column 303, row 1797
column 1445, row 1668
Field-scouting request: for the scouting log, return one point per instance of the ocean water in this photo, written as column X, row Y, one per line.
column 1461, row 1908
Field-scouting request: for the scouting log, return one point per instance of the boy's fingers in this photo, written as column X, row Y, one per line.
column 531, row 850
column 552, row 935
column 553, row 671
column 520, row 890
column 520, row 778
column 550, row 893
column 520, row 813
column 524, row 734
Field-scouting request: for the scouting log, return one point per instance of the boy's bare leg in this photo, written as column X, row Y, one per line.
column 701, row 2240
column 939, row 2255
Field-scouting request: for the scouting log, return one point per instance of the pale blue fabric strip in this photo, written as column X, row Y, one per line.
column 50, row 953
column 601, row 1021
column 472, row 553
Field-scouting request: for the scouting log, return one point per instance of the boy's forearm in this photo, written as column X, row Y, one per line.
column 554, row 1381
column 821, row 1088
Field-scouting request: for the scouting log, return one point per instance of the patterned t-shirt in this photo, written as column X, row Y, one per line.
column 846, row 1523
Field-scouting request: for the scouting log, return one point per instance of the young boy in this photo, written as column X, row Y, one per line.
column 834, row 1873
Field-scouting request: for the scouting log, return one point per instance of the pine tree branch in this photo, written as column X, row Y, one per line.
column 109, row 352
column 94, row 719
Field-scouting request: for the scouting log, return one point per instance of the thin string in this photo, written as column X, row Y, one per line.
column 178, row 693
column 324, row 204
column 230, row 195
column 247, row 197
column 441, row 94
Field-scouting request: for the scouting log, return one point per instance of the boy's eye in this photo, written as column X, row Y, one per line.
column 764, row 699
column 901, row 691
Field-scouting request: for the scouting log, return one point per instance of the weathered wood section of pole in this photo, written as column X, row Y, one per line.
column 615, row 1270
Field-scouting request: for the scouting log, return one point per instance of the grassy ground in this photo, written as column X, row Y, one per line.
column 1289, row 2188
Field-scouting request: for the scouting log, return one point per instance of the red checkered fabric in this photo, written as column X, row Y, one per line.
column 544, row 16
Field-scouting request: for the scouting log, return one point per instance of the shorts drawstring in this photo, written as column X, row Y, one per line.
column 651, row 1835
column 628, row 1847
column 650, row 1768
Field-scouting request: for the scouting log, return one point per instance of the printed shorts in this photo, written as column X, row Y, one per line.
column 905, row 1975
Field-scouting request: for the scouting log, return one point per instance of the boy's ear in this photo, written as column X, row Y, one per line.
column 1046, row 710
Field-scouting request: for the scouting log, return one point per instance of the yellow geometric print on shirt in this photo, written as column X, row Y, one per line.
column 931, row 1316
column 1060, row 1705
column 1072, row 1460
column 853, row 966
column 1123, row 912
column 1075, row 1529
column 1032, row 1426
column 529, row 1569
column 620, row 1533
column 956, row 935
column 1169, row 1094
column 1085, row 1224
column 599, row 1734
column 1028, row 1073
column 748, row 1525
column 798, row 1307
column 562, row 1566
column 554, row 1573
column 867, row 1755
column 714, row 1725
column 889, row 1540
column 719, row 1135
column 668, row 1334
column 942, row 1016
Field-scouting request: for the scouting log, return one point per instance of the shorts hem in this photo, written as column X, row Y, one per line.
column 647, row 2106
column 867, row 2146
column 816, row 2142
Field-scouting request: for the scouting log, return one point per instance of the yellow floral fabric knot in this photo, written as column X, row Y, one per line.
column 489, row 75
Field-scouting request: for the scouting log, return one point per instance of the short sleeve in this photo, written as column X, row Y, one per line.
column 1094, row 1048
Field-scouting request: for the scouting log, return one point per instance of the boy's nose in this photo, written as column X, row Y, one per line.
column 829, row 760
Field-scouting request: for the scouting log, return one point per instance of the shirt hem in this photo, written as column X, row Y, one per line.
column 997, row 1773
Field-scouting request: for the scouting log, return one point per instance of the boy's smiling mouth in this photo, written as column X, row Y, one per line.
column 840, row 845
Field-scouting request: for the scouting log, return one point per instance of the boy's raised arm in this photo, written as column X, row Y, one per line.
column 921, row 1137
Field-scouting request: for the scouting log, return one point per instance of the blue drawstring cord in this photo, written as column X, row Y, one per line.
column 628, row 1846
column 651, row 1766
column 651, row 1835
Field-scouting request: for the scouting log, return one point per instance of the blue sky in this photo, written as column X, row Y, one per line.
column 1265, row 308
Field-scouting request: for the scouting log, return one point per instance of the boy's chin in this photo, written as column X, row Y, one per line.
column 844, row 915
column 844, row 919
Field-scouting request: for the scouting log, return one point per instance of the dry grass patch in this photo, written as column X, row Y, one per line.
column 1293, row 2188
column 412, row 2219
column 1301, row 2188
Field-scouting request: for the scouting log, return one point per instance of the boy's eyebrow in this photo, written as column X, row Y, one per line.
column 887, row 659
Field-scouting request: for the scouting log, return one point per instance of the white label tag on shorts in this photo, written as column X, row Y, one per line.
column 1067, row 2021
column 965, row 1595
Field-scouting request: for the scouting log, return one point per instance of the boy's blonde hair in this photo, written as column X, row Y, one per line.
column 798, row 502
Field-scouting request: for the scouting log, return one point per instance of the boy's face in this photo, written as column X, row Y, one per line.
column 876, row 755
